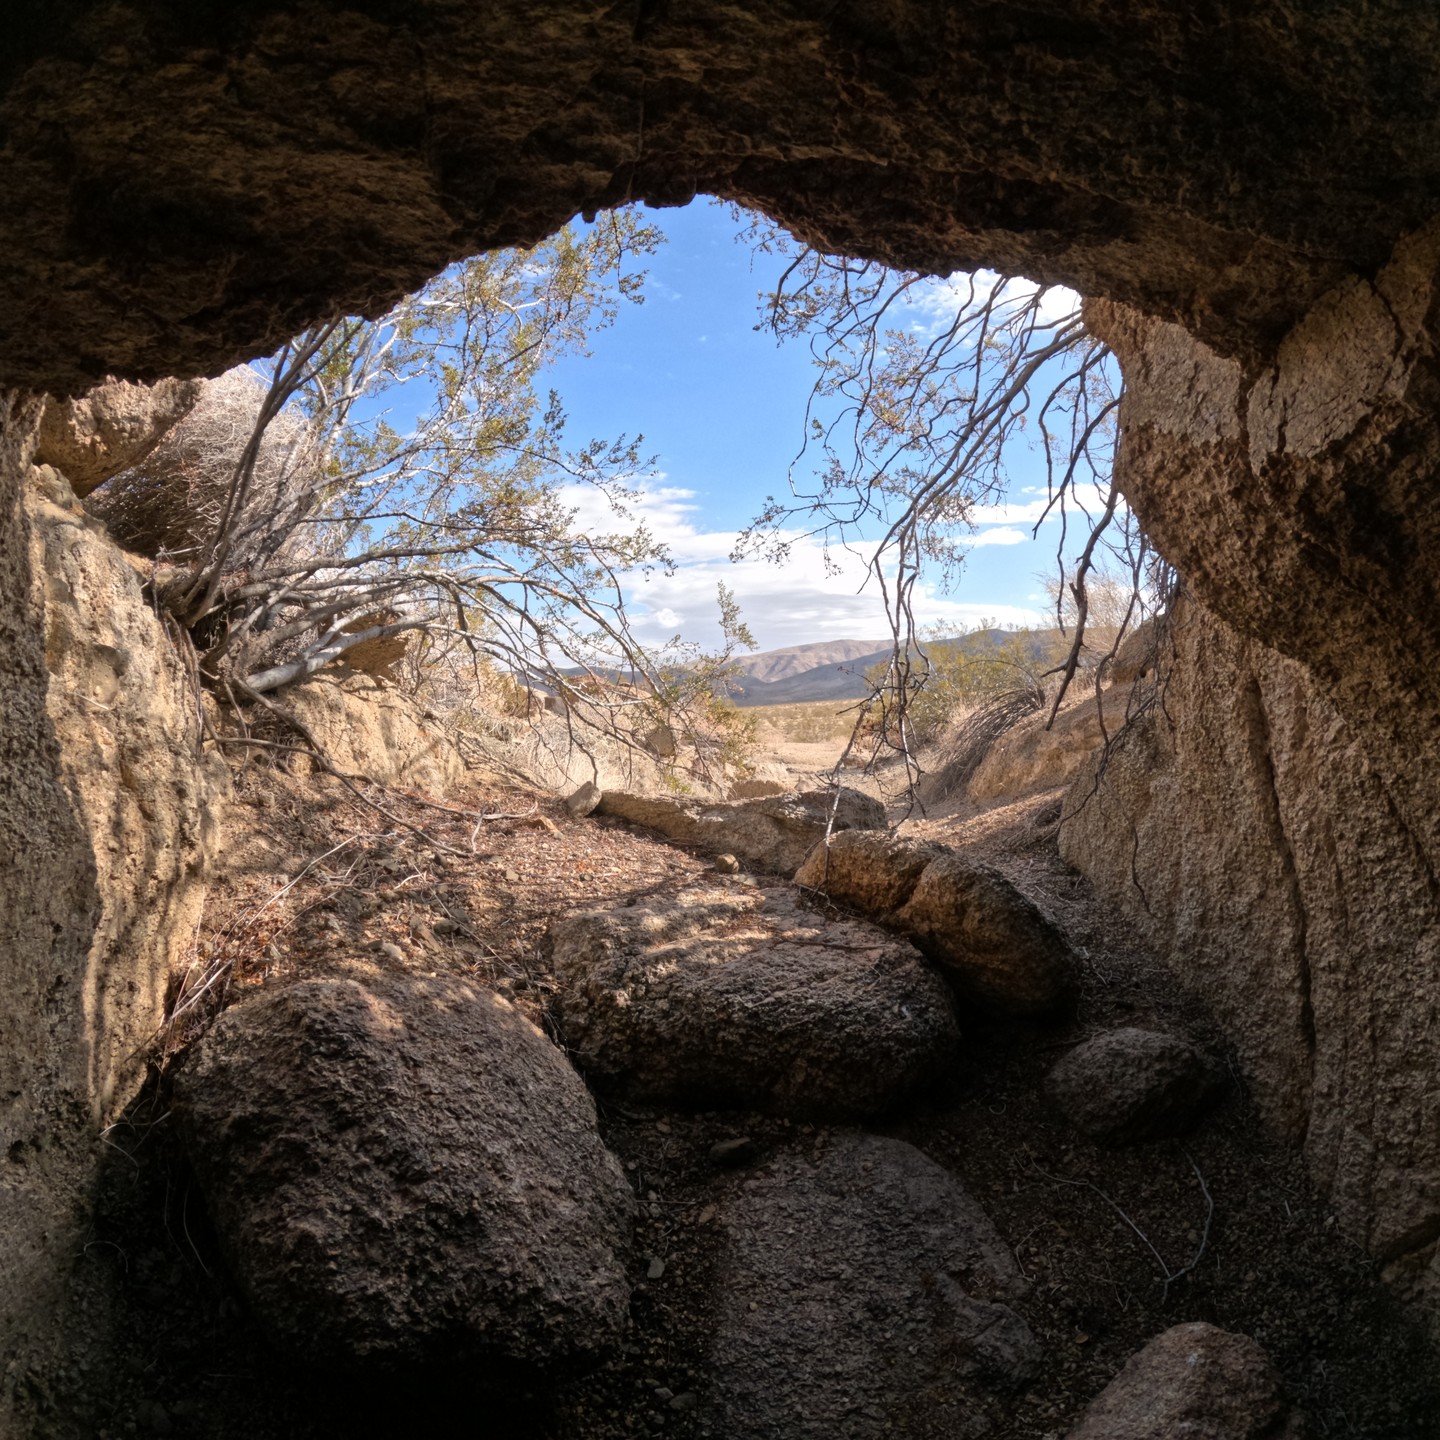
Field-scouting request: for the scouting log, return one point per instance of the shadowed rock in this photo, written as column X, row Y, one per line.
column 1130, row 1085
column 862, row 1293
column 1194, row 1380
column 407, row 1173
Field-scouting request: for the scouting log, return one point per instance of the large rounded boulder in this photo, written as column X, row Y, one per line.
column 407, row 1173
column 1000, row 951
column 738, row 996
column 1194, row 1380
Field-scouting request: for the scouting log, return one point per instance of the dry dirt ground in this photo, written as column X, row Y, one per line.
column 161, row 1346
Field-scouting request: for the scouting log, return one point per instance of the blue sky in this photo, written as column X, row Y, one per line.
column 721, row 406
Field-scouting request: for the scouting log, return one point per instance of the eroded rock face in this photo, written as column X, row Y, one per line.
column 184, row 192
column 103, row 832
column 733, row 996
column 863, row 1293
column 367, row 727
column 1248, row 834
column 113, row 426
column 1194, row 1380
column 407, row 1173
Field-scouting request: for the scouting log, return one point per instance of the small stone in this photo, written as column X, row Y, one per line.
column 706, row 1215
column 655, row 1269
column 584, row 800
column 686, row 1400
column 738, row 1151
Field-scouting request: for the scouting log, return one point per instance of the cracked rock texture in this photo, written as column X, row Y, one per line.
column 187, row 186
column 1247, row 832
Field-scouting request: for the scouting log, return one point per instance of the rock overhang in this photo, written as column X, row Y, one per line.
column 187, row 185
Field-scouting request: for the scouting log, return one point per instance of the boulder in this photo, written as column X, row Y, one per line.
column 862, row 1293
column 772, row 832
column 1130, row 1085
column 997, row 946
column 872, row 871
column 407, row 1173
column 113, row 426
column 729, row 995
column 1194, row 1380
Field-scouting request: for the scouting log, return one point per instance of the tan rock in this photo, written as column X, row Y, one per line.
column 872, row 871
column 110, row 428
column 773, row 833
column 997, row 946
column 366, row 727
column 1193, row 1380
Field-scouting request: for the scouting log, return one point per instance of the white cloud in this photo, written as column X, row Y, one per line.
column 812, row 595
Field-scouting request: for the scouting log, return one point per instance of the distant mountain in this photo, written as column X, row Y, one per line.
column 835, row 669
column 792, row 660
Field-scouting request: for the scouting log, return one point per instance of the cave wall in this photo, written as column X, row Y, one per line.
column 1245, row 188
column 1272, row 827
column 103, row 826
column 1243, row 829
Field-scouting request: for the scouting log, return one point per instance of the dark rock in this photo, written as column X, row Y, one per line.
column 737, row 996
column 1193, row 1380
column 1130, row 1085
column 862, row 1293
column 739, row 1151
column 407, row 1173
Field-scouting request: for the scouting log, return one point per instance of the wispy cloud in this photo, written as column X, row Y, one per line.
column 815, row 594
